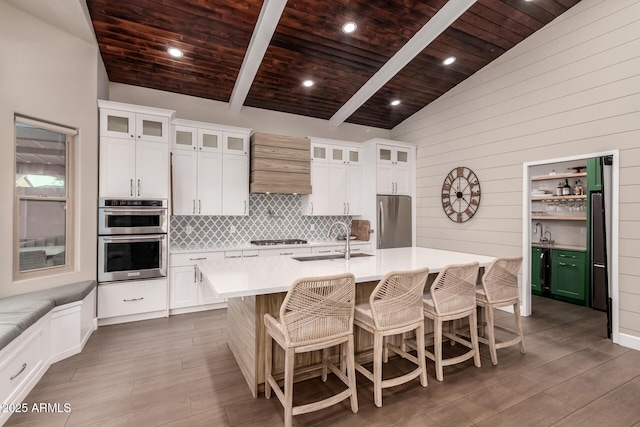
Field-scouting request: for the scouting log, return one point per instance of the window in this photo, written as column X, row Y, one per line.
column 43, row 202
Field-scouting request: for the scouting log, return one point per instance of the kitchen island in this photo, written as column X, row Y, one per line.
column 255, row 286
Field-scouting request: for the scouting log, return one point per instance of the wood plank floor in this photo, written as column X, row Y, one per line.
column 179, row 372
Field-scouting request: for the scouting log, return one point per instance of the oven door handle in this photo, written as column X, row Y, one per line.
column 134, row 237
column 134, row 211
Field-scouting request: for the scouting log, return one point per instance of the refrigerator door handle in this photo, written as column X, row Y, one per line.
column 381, row 231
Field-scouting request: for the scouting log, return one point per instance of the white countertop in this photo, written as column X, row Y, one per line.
column 249, row 246
column 239, row 277
column 559, row 246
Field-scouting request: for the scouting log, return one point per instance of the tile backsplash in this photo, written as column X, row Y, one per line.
column 271, row 216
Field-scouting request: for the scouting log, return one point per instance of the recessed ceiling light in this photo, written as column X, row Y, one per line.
column 349, row 27
column 307, row 83
column 175, row 52
column 450, row 60
column 395, row 102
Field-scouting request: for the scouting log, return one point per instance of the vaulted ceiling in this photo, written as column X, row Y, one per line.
column 308, row 43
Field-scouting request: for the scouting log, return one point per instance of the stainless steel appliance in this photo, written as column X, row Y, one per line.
column 599, row 243
column 131, row 216
column 132, row 239
column 394, row 222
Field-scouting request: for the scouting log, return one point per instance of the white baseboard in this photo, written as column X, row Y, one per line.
column 197, row 308
column 131, row 318
column 629, row 341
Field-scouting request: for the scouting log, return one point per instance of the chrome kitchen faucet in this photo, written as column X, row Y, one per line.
column 347, row 247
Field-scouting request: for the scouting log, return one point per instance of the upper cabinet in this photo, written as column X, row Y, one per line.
column 210, row 165
column 130, row 125
column 134, row 151
column 336, row 180
column 393, row 174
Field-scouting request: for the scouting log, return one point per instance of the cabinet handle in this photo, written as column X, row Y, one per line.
column 22, row 368
column 195, row 274
column 131, row 187
column 245, row 207
column 133, row 299
column 311, row 208
column 201, row 277
column 199, row 206
column 348, row 208
column 138, row 188
column 324, row 252
column 250, row 256
column 344, row 208
column 198, row 259
column 233, row 256
column 286, row 253
column 194, row 206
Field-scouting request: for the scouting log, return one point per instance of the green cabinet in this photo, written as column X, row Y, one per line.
column 568, row 274
column 594, row 178
column 536, row 285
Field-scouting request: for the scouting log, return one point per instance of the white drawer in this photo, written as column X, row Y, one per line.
column 20, row 367
column 326, row 249
column 134, row 297
column 285, row 251
column 176, row 260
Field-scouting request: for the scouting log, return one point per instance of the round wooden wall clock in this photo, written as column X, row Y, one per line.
column 461, row 194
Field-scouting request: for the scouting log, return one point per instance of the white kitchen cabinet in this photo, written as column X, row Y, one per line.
column 336, row 181
column 134, row 151
column 131, row 297
column 285, row 251
column 131, row 125
column 210, row 170
column 235, row 184
column 393, row 174
column 186, row 285
column 131, row 168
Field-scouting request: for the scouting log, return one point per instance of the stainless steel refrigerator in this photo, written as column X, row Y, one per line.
column 394, row 222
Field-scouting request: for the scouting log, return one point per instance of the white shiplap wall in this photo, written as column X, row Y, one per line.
column 572, row 88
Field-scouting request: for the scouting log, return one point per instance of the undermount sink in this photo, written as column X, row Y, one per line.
column 329, row 257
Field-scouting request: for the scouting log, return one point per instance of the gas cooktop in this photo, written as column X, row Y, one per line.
column 278, row 242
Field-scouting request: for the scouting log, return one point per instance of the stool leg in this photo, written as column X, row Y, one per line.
column 288, row 387
column 422, row 359
column 325, row 358
column 474, row 337
column 351, row 374
column 377, row 368
column 437, row 347
column 268, row 360
column 385, row 349
column 491, row 333
column 516, row 313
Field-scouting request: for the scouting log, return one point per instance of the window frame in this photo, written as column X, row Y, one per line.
column 69, row 198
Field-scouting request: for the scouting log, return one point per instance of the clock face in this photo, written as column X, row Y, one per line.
column 461, row 194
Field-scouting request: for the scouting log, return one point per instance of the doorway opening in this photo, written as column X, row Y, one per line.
column 570, row 235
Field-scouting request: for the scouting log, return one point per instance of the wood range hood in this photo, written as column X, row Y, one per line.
column 280, row 164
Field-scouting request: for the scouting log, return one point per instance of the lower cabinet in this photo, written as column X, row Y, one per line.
column 187, row 287
column 536, row 284
column 131, row 298
column 568, row 274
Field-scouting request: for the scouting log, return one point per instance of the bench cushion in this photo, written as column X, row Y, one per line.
column 68, row 293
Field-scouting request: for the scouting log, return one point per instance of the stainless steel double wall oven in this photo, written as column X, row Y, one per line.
column 132, row 239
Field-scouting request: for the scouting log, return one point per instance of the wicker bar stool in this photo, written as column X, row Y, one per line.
column 500, row 289
column 316, row 314
column 451, row 297
column 395, row 307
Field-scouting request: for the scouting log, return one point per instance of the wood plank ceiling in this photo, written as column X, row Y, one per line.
column 308, row 44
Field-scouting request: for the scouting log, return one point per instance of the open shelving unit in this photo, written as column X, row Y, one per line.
column 559, row 176
column 559, row 218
